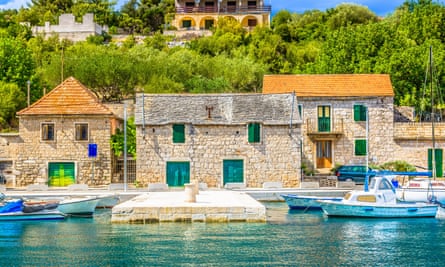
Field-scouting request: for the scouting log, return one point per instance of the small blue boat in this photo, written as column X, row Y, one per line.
column 306, row 202
column 14, row 211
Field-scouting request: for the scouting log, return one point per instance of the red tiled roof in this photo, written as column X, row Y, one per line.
column 334, row 85
column 68, row 98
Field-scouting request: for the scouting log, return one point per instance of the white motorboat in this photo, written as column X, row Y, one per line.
column 108, row 201
column 80, row 206
column 306, row 202
column 379, row 201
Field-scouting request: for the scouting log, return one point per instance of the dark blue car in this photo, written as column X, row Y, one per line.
column 353, row 173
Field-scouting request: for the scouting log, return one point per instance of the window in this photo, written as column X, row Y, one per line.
column 360, row 113
column 47, row 131
column 360, row 147
column 178, row 133
column 300, row 110
column 254, row 132
column 251, row 22
column 81, row 131
column 186, row 23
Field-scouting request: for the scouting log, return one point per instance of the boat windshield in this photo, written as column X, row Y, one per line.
column 372, row 183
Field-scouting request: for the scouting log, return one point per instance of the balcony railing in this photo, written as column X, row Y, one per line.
column 224, row 10
column 334, row 127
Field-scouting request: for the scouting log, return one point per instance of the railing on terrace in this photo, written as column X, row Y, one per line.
column 118, row 170
column 418, row 130
column 333, row 127
column 224, row 10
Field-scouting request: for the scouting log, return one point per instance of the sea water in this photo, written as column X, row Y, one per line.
column 289, row 238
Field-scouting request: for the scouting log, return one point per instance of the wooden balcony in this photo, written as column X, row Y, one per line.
column 225, row 10
column 334, row 131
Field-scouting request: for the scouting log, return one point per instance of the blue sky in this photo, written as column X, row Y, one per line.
column 380, row 7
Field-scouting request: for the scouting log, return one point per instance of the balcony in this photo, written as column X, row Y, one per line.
column 225, row 10
column 324, row 130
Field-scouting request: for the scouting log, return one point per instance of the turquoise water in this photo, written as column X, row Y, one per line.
column 288, row 239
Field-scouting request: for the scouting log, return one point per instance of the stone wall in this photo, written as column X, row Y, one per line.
column 276, row 158
column 34, row 155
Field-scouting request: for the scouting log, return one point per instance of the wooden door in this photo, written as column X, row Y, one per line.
column 324, row 154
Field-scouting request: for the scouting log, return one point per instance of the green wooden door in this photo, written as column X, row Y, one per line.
column 233, row 171
column 61, row 174
column 324, row 118
column 438, row 158
column 178, row 173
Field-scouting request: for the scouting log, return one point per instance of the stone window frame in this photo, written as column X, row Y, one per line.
column 45, row 133
column 77, row 135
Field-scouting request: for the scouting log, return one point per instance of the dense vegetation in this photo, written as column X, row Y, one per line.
column 346, row 39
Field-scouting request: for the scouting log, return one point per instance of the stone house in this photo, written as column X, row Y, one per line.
column 69, row 29
column 333, row 110
column 218, row 139
column 336, row 111
column 63, row 138
column 198, row 15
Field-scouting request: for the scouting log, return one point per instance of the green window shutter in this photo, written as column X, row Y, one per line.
column 300, row 110
column 438, row 158
column 254, row 132
column 359, row 113
column 360, row 147
column 178, row 133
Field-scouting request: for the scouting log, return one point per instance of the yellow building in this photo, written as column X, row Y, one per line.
column 195, row 15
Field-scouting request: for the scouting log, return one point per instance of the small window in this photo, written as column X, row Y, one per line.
column 48, row 131
column 186, row 23
column 81, row 131
column 251, row 22
column 359, row 113
column 254, row 132
column 360, row 147
column 178, row 133
column 300, row 110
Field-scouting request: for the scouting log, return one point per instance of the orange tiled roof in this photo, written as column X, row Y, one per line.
column 334, row 85
column 68, row 98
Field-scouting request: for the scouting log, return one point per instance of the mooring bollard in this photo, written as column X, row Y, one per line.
column 190, row 195
column 196, row 184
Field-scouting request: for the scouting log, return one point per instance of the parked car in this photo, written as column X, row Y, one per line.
column 353, row 173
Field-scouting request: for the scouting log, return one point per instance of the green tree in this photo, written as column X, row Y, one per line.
column 118, row 140
column 11, row 100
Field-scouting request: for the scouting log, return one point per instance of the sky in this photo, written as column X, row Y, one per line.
column 380, row 7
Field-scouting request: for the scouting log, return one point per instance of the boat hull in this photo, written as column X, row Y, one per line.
column 108, row 201
column 399, row 210
column 306, row 202
column 40, row 215
column 81, row 207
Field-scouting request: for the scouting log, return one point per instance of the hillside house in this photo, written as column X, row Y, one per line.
column 69, row 29
column 218, row 139
column 197, row 15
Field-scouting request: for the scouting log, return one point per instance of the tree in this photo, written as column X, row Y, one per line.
column 11, row 100
column 118, row 139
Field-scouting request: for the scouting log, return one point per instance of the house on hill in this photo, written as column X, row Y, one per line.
column 64, row 138
column 336, row 109
column 201, row 15
column 217, row 139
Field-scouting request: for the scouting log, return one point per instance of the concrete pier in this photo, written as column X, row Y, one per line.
column 210, row 206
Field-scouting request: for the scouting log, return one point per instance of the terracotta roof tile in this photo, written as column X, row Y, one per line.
column 68, row 98
column 333, row 85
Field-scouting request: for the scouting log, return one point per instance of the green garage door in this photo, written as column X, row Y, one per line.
column 61, row 174
column 233, row 171
column 178, row 173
